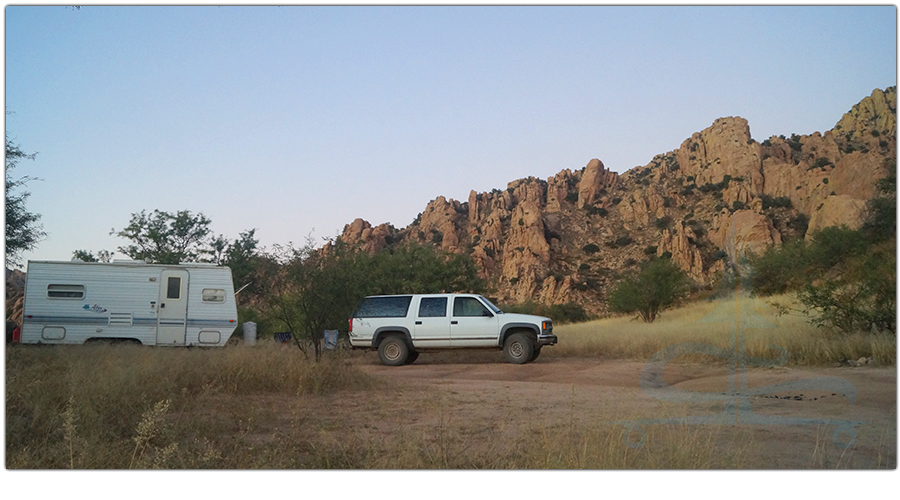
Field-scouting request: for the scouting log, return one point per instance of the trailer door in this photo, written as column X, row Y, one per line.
column 172, row 315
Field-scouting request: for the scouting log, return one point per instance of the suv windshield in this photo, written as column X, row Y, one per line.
column 492, row 307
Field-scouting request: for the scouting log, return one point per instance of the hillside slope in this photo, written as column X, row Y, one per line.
column 718, row 195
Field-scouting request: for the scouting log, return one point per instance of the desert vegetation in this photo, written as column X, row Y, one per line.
column 133, row 407
column 127, row 407
column 623, row 337
column 844, row 279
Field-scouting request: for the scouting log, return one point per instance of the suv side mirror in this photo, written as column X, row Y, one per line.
column 487, row 314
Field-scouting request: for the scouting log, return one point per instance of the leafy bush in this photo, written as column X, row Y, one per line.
column 592, row 210
column 881, row 211
column 590, row 248
column 621, row 241
column 843, row 280
column 780, row 202
column 778, row 269
column 658, row 285
column 862, row 298
column 569, row 312
column 822, row 163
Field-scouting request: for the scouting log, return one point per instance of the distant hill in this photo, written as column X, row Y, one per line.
column 719, row 194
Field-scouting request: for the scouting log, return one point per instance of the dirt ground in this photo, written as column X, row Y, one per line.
column 838, row 417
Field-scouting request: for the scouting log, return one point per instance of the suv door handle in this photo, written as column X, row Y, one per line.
column 418, row 322
column 454, row 322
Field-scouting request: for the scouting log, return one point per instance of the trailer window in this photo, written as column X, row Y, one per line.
column 173, row 288
column 65, row 291
column 213, row 295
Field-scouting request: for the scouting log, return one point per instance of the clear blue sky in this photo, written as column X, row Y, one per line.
column 296, row 119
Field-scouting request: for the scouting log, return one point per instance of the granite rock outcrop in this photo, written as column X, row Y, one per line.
column 720, row 195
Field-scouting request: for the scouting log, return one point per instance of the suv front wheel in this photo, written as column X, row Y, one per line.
column 393, row 351
column 518, row 348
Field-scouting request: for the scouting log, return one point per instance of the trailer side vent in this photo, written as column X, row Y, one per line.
column 121, row 319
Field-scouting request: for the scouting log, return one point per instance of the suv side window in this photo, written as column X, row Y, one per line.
column 384, row 307
column 469, row 306
column 433, row 307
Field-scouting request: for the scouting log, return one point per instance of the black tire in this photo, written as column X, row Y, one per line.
column 518, row 348
column 413, row 356
column 535, row 354
column 393, row 351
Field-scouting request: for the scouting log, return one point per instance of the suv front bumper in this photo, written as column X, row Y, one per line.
column 547, row 340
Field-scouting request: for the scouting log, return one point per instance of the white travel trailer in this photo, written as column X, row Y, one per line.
column 154, row 304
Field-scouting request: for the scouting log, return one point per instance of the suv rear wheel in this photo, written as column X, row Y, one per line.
column 518, row 348
column 393, row 351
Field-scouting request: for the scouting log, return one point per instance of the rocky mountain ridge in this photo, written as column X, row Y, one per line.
column 717, row 196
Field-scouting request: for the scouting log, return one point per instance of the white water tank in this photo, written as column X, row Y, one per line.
column 250, row 333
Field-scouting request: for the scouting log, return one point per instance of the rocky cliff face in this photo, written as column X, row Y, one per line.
column 721, row 194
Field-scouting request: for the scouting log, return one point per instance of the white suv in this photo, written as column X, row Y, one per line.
column 401, row 326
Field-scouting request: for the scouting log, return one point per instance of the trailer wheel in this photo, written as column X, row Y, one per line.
column 393, row 351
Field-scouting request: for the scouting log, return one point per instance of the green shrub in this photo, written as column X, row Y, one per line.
column 780, row 202
column 621, row 241
column 860, row 299
column 658, row 285
column 592, row 210
column 569, row 312
column 778, row 269
column 590, row 248
column 881, row 212
column 822, row 163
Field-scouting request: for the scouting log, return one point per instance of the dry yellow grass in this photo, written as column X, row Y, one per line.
column 123, row 406
column 126, row 406
column 752, row 321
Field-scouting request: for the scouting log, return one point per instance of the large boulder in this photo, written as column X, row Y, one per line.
column 838, row 210
column 743, row 232
column 594, row 179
